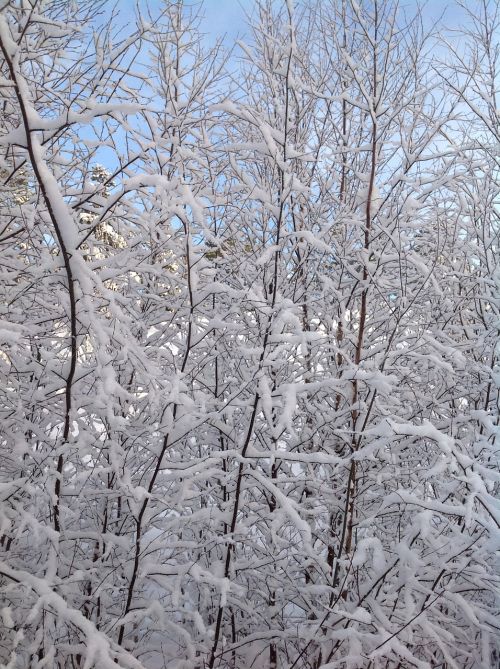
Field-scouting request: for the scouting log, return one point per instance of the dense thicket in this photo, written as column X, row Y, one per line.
column 249, row 338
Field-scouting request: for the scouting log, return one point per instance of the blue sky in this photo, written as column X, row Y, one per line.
column 222, row 17
column 227, row 17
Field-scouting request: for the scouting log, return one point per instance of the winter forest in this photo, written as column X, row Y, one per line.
column 249, row 336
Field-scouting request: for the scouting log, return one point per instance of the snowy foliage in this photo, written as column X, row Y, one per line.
column 249, row 339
